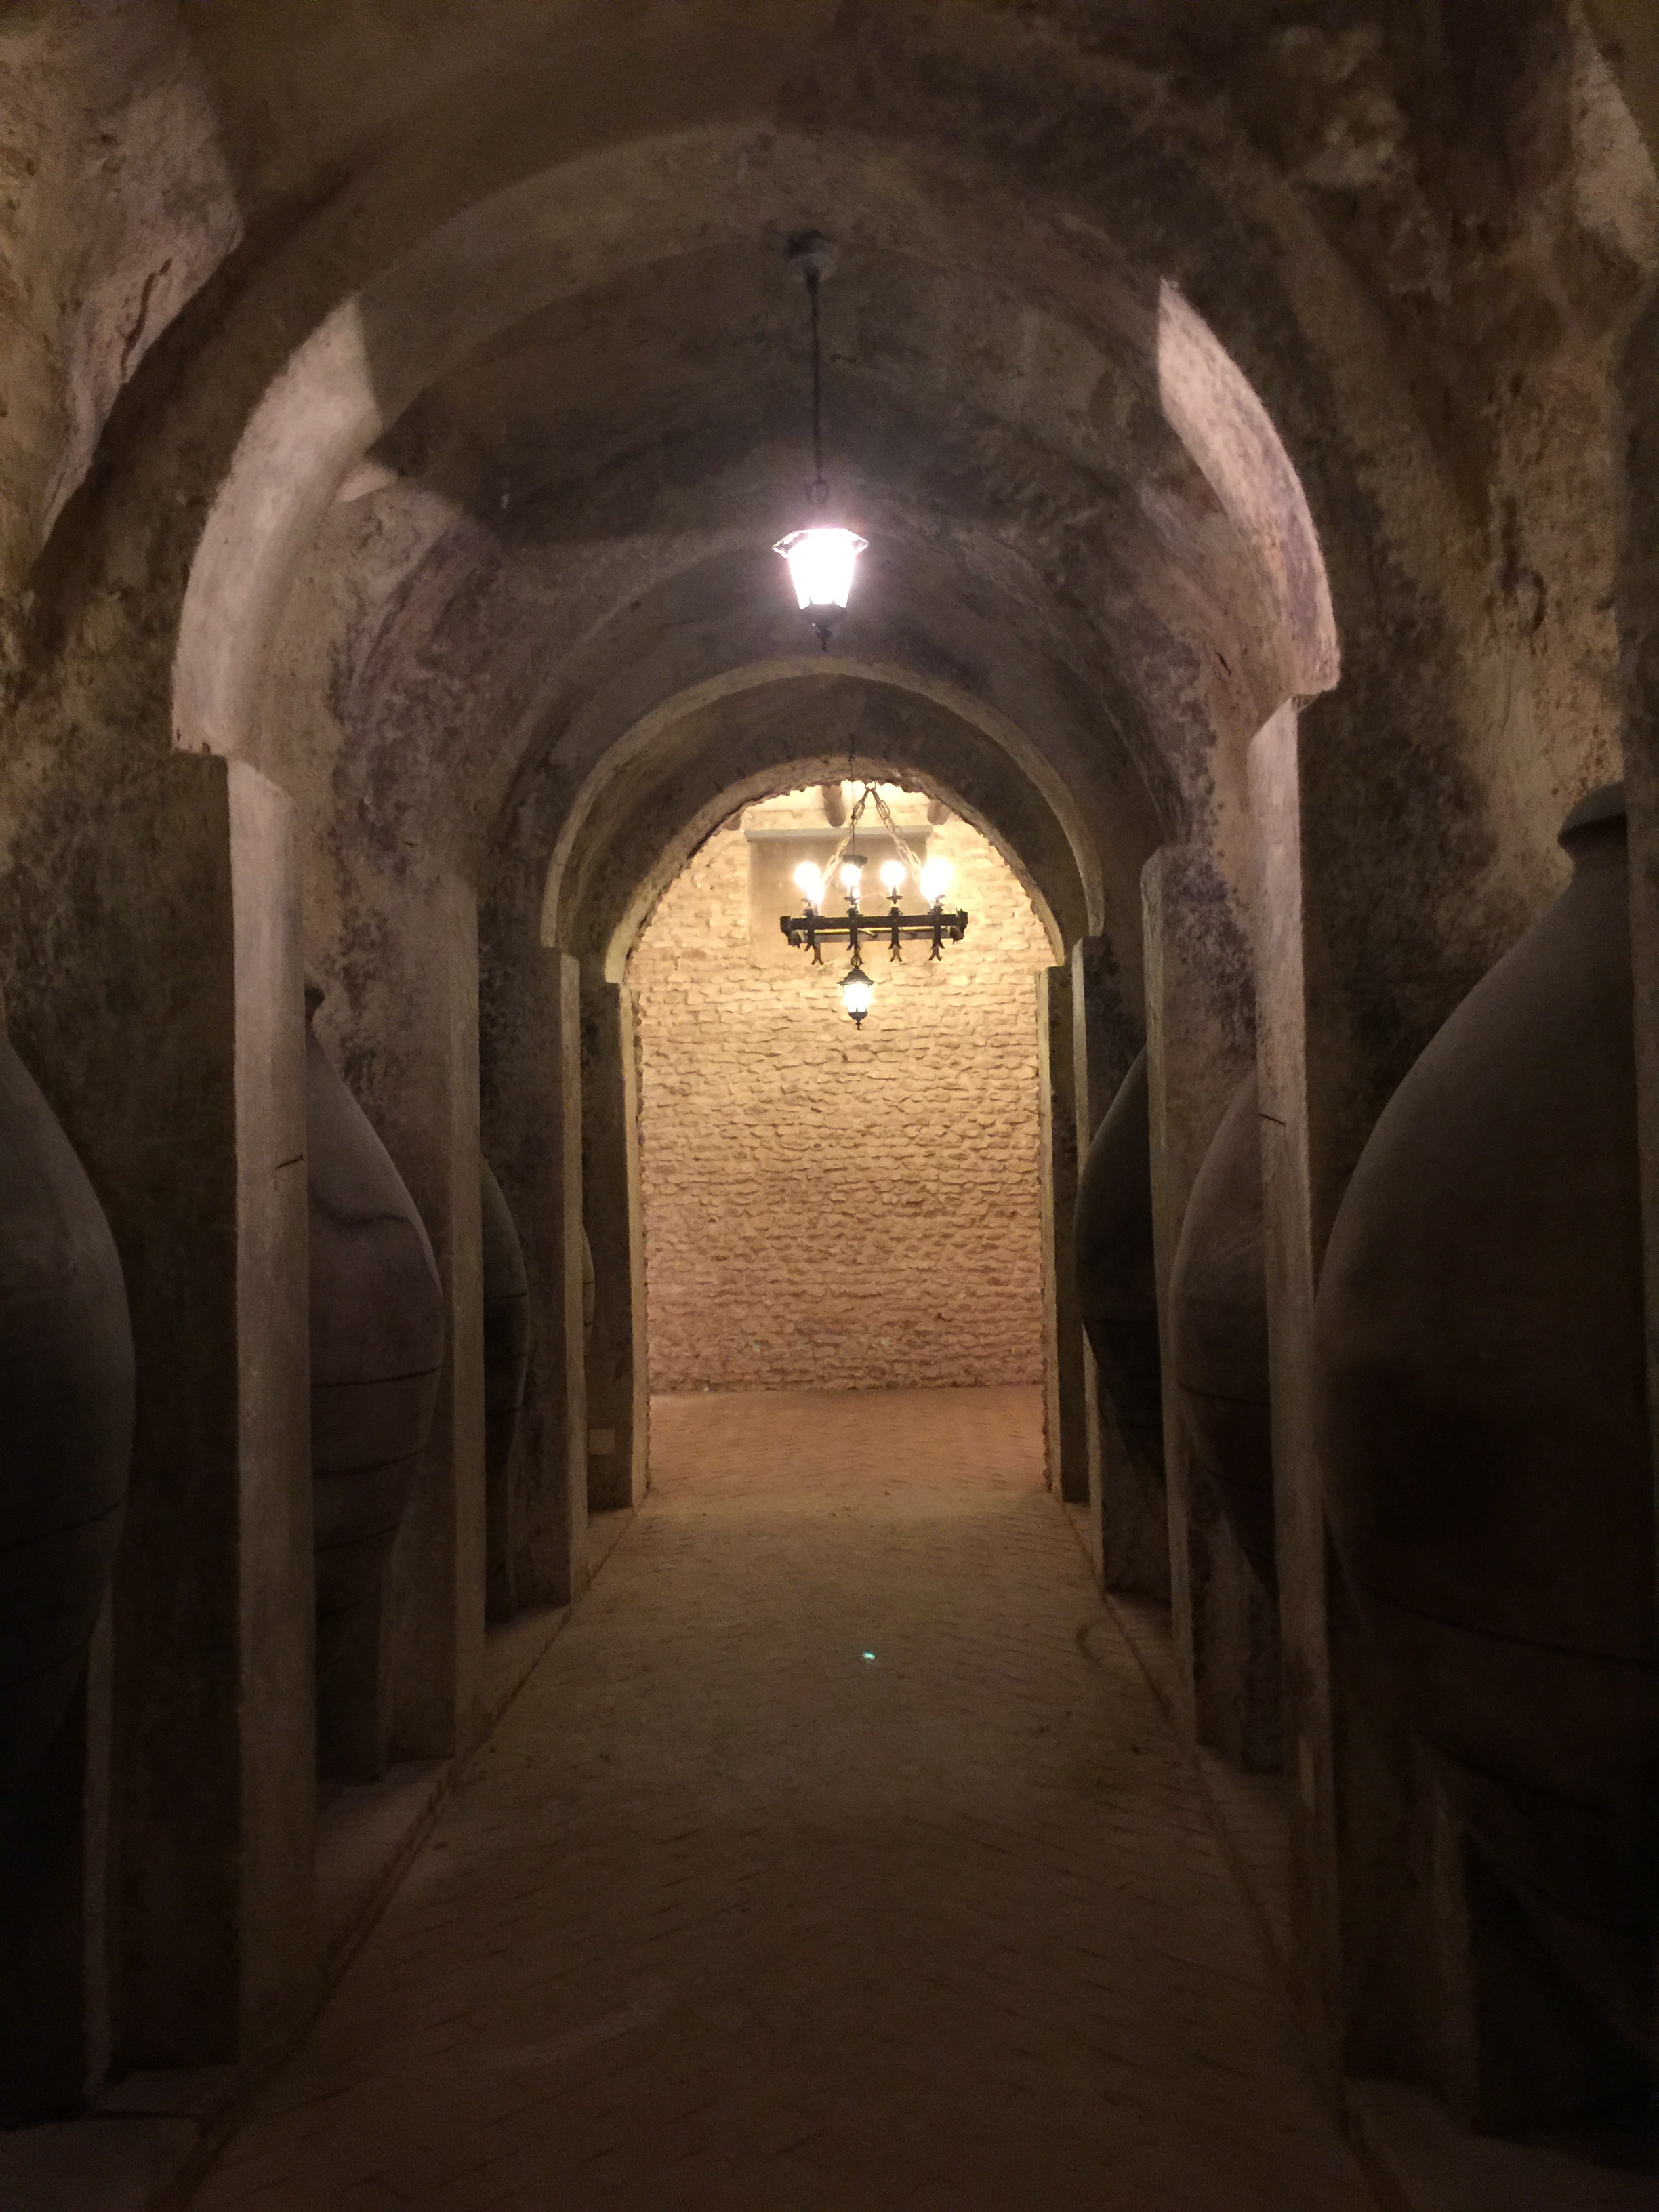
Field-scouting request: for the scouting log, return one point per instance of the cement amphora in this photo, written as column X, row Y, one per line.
column 1218, row 1331
column 66, row 1412
column 377, row 1336
column 506, row 1327
column 1483, row 1412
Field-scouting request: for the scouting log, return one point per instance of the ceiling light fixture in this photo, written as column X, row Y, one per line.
column 822, row 556
column 815, row 929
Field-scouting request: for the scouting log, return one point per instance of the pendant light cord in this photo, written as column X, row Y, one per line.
column 820, row 489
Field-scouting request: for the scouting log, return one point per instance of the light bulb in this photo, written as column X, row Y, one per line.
column 857, row 990
column 892, row 878
column 809, row 882
column 851, row 875
column 935, row 880
column 821, row 564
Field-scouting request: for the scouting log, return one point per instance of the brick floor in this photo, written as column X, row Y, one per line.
column 835, row 1859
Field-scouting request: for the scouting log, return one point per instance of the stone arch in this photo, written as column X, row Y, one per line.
column 1219, row 417
column 646, row 805
column 790, row 775
column 496, row 263
column 626, row 835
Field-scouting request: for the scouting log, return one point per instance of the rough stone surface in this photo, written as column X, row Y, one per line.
column 730, row 1916
column 399, row 402
column 827, row 1208
column 116, row 203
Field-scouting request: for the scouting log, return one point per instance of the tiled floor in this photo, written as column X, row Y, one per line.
column 836, row 1857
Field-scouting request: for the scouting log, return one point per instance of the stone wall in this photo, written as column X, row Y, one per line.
column 830, row 1208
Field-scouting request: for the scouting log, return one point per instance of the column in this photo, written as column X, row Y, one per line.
column 277, row 1624
column 1199, row 1047
column 618, row 1389
column 1066, row 1425
column 535, row 1134
column 159, row 1006
column 1128, row 1528
column 1291, row 1263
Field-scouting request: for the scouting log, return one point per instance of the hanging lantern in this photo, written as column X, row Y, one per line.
column 820, row 565
column 822, row 556
column 857, row 991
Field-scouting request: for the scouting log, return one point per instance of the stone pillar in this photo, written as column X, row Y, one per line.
column 275, row 1628
column 1387, row 1977
column 618, row 1388
column 1066, row 1424
column 178, row 1749
column 1638, row 625
column 1293, row 1241
column 1128, row 1530
column 1198, row 1045
column 151, row 939
column 535, row 1144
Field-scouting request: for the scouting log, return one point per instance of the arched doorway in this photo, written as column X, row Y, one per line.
column 827, row 1208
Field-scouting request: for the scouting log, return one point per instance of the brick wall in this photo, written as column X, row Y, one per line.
column 826, row 1208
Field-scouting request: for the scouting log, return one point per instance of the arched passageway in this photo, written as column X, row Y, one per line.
column 1249, row 413
column 826, row 1207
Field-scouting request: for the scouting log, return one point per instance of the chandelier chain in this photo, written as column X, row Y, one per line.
column 871, row 794
column 820, row 489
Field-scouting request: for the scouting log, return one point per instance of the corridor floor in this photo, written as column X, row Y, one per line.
column 836, row 1858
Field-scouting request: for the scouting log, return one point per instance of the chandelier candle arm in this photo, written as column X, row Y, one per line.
column 814, row 928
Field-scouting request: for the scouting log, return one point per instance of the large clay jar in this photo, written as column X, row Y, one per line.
column 1218, row 1331
column 377, row 1335
column 1117, row 1281
column 506, row 1327
column 1485, row 1429
column 66, row 1398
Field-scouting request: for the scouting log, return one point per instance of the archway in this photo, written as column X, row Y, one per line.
column 825, row 1208
column 644, row 810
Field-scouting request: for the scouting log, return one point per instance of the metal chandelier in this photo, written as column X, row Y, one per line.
column 814, row 929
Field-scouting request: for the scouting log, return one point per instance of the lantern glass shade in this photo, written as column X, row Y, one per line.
column 857, row 991
column 821, row 564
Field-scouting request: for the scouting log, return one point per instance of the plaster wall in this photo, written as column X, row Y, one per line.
column 829, row 1209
